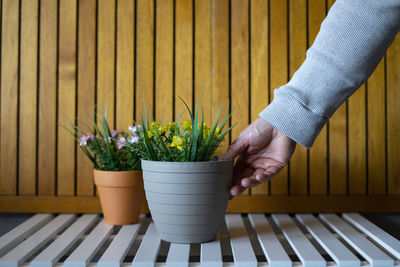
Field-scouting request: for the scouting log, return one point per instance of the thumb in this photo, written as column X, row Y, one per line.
column 237, row 147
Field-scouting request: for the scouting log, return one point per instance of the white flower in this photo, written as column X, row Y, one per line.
column 83, row 140
column 121, row 142
column 134, row 139
column 135, row 129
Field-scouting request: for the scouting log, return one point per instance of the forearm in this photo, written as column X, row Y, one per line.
column 352, row 40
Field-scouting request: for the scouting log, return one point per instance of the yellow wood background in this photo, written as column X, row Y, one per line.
column 65, row 59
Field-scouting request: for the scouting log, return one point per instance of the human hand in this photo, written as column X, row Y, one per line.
column 262, row 150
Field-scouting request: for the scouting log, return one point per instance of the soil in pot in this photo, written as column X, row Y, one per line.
column 187, row 200
column 121, row 195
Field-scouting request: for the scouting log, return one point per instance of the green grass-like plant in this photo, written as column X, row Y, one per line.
column 109, row 150
column 182, row 142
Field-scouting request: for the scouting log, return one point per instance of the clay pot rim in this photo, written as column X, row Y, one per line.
column 192, row 162
column 118, row 178
column 111, row 172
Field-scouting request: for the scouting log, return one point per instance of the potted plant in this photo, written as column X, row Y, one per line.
column 187, row 190
column 117, row 172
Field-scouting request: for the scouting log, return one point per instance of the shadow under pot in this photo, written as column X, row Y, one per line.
column 121, row 195
column 187, row 200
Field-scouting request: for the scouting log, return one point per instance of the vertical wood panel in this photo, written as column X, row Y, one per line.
column 338, row 152
column 240, row 66
column 279, row 71
column 376, row 132
column 393, row 111
column 220, row 61
column 106, row 58
column 259, row 66
column 86, row 87
column 164, row 60
column 357, row 142
column 47, row 98
column 66, row 97
column 144, row 57
column 297, row 53
column 183, row 56
column 202, row 61
column 9, row 97
column 125, row 64
column 28, row 97
column 318, row 153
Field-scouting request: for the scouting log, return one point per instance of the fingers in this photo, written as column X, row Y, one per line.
column 238, row 172
column 237, row 190
column 256, row 177
column 234, row 149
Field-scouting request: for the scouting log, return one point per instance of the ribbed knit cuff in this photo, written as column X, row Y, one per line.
column 292, row 118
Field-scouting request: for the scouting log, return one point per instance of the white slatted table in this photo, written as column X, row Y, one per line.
column 278, row 240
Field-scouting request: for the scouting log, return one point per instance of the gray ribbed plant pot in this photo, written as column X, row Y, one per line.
column 187, row 200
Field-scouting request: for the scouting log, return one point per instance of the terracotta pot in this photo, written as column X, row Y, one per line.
column 187, row 200
column 121, row 195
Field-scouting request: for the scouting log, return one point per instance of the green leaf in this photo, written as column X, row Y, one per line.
column 163, row 146
column 226, row 118
column 218, row 140
column 207, row 143
column 147, row 142
column 85, row 124
column 200, row 136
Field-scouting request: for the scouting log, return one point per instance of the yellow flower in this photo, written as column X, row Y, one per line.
column 206, row 132
column 187, row 125
column 217, row 133
column 178, row 142
column 150, row 134
column 163, row 128
column 154, row 125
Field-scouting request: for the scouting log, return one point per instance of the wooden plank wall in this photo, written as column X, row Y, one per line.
column 61, row 60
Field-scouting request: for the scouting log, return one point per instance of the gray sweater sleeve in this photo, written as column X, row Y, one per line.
column 352, row 40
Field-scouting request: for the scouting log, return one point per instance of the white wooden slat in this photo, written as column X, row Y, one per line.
column 273, row 250
column 119, row 247
column 366, row 248
column 211, row 254
column 64, row 242
column 242, row 250
column 88, row 248
column 178, row 255
column 147, row 252
column 22, row 231
column 35, row 241
column 338, row 252
column 384, row 239
column 306, row 252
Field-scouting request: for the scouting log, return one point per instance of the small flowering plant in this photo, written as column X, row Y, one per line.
column 182, row 142
column 109, row 150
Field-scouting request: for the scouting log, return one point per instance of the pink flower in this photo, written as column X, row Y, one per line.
column 121, row 142
column 114, row 133
column 134, row 139
column 83, row 140
column 105, row 140
column 135, row 129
